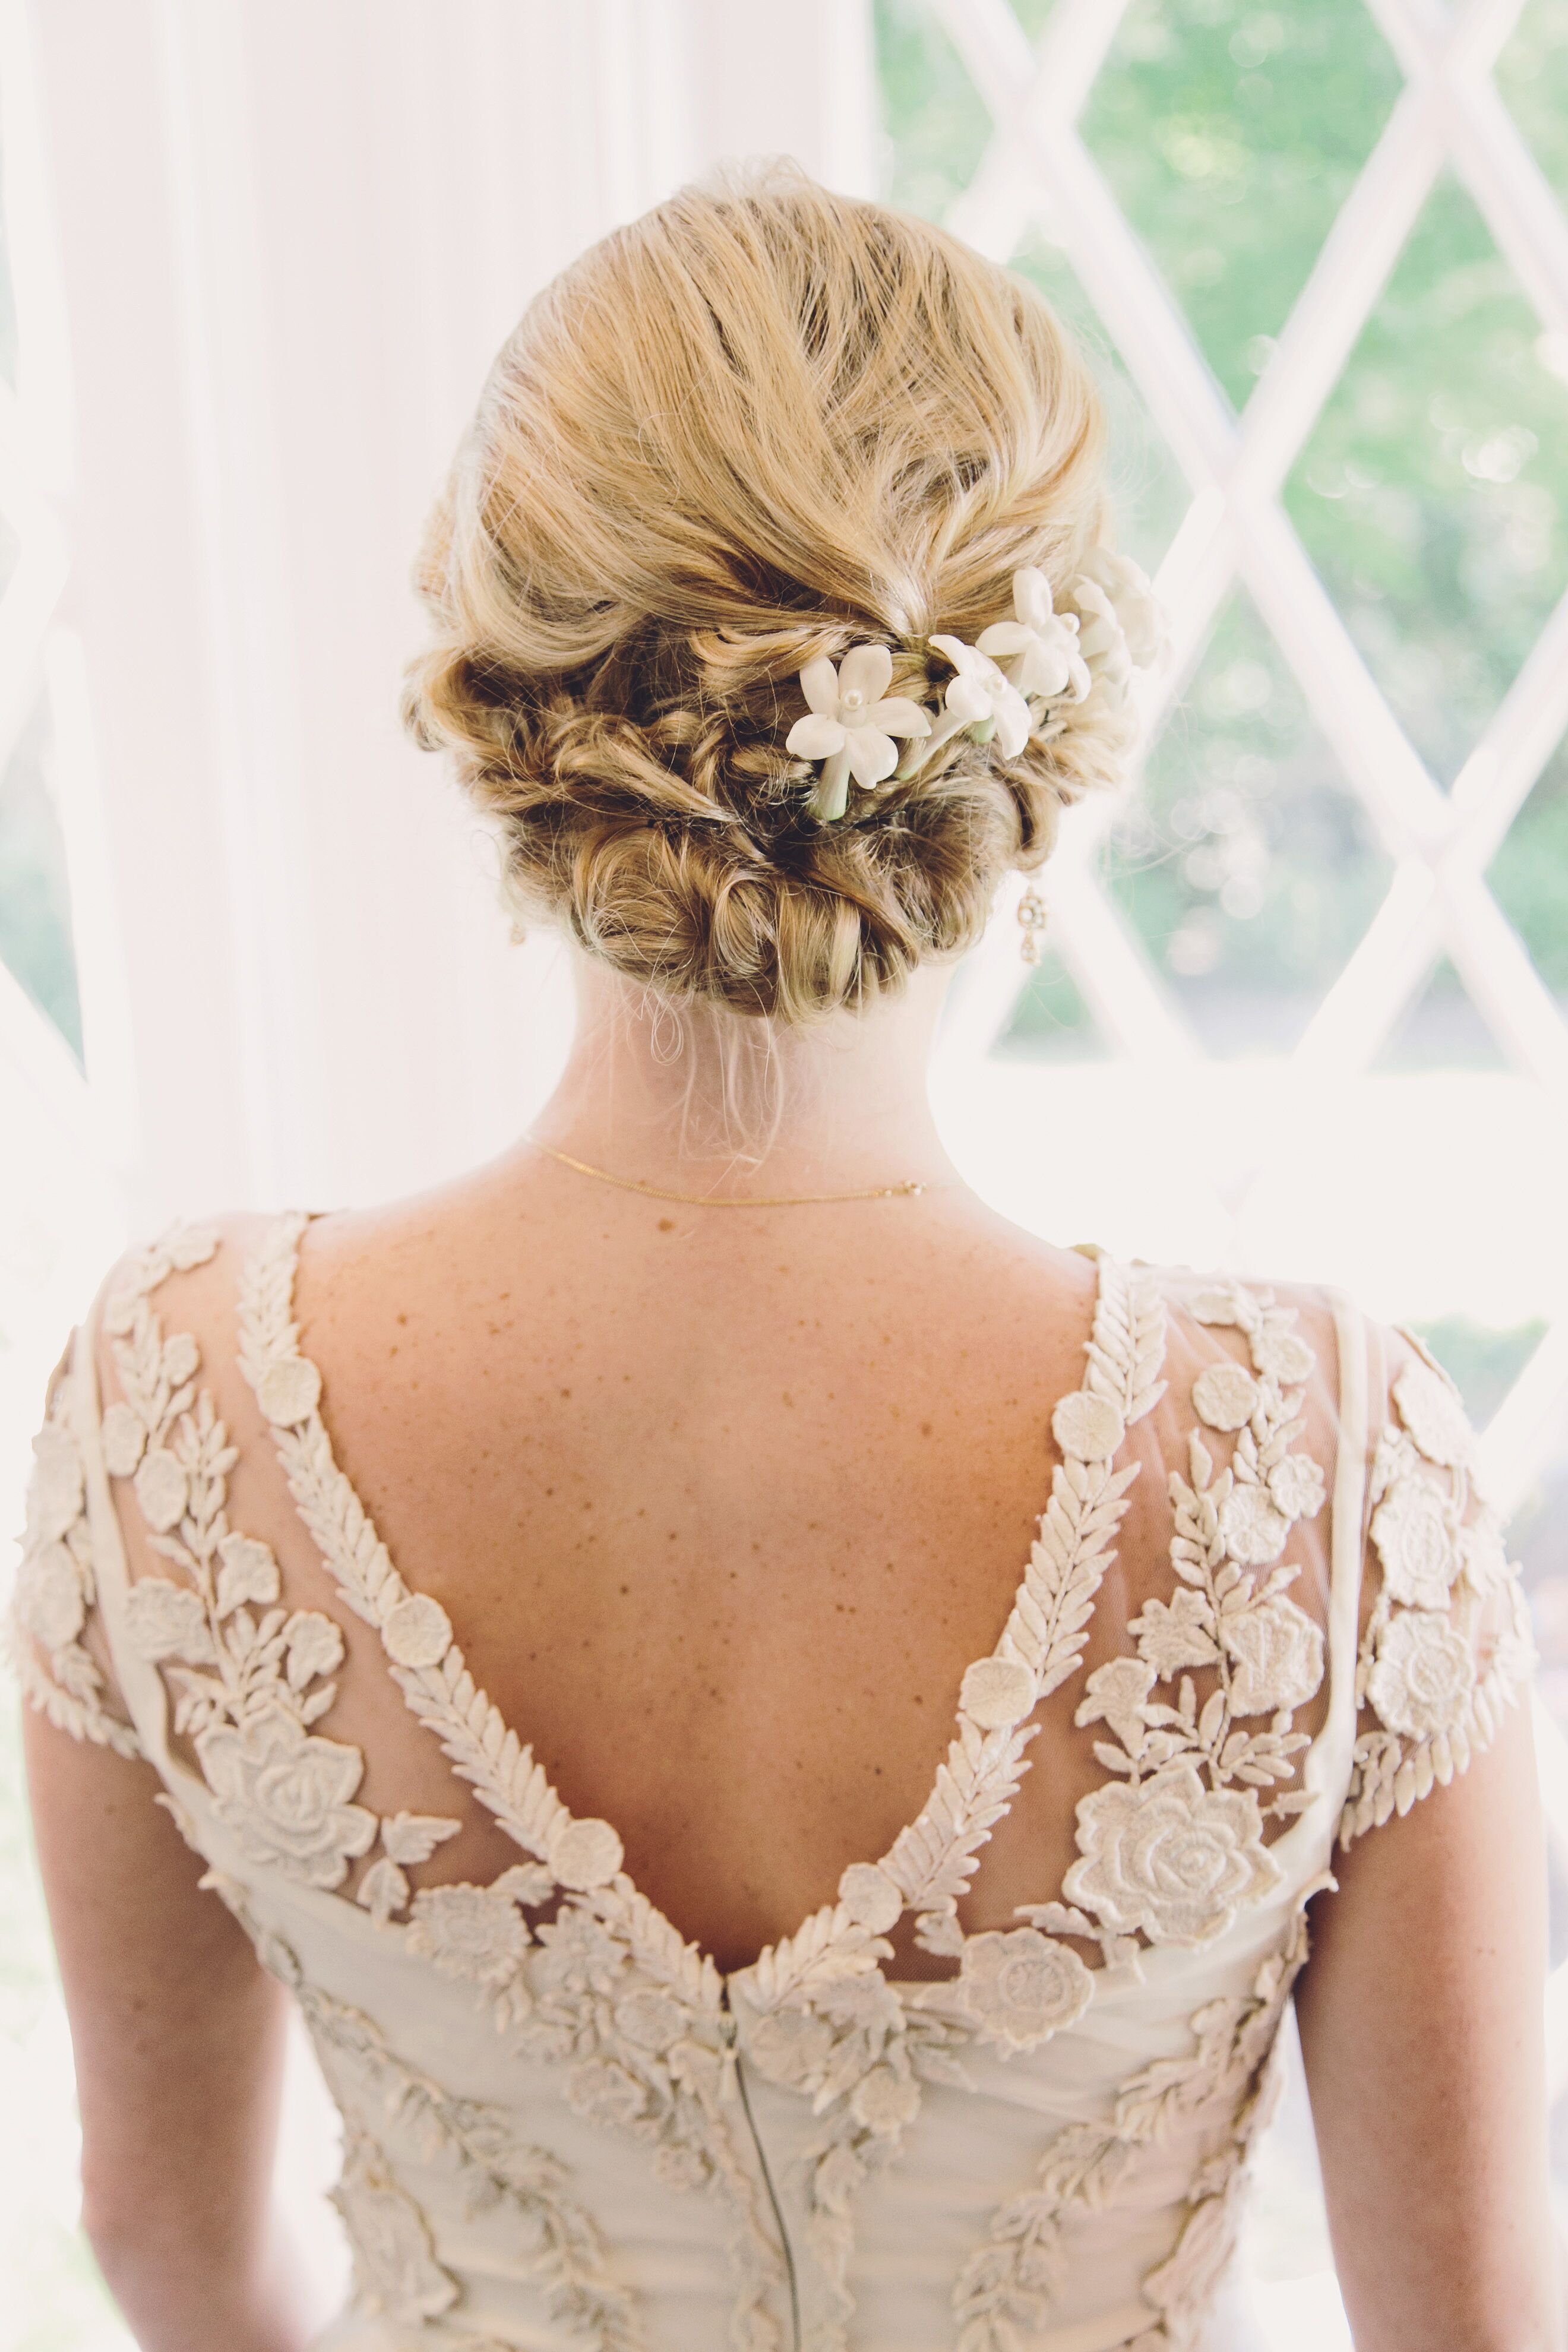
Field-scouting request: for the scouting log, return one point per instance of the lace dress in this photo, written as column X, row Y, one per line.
column 562, row 2125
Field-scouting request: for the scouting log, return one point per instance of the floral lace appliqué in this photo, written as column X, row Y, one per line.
column 1222, row 2094
column 250, row 1676
column 56, row 1589
column 1174, row 1847
column 827, row 2025
column 389, row 2103
column 607, row 1987
column 1448, row 1645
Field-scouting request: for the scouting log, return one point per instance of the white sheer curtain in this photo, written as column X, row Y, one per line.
column 289, row 237
column 262, row 252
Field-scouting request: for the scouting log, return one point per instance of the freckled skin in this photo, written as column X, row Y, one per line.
column 785, row 1501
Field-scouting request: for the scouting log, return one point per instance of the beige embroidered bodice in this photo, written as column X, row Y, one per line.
column 562, row 2125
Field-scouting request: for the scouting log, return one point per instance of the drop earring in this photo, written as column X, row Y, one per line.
column 1032, row 920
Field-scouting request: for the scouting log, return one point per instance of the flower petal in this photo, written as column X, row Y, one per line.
column 819, row 684
column 814, row 736
column 865, row 669
column 968, row 700
column 1012, row 721
column 1003, row 638
column 872, row 756
column 1032, row 596
column 898, row 716
column 961, row 656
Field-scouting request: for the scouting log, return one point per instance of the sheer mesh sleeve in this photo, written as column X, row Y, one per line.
column 56, row 1640
column 1444, row 1643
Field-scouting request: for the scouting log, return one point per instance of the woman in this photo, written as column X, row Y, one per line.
column 766, row 1996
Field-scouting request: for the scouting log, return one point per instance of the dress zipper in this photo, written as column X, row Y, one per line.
column 727, row 2034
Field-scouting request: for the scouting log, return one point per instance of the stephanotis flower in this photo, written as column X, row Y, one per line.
column 1139, row 612
column 1039, row 643
column 983, row 696
column 851, row 726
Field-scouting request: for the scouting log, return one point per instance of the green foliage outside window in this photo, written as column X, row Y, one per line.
column 1432, row 494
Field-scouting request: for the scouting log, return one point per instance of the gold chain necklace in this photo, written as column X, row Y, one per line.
column 910, row 1189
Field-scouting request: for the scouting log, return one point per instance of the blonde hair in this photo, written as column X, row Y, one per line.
column 762, row 424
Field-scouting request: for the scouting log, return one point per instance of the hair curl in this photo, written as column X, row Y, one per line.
column 761, row 424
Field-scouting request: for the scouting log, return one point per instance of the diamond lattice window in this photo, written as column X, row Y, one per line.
column 1319, row 252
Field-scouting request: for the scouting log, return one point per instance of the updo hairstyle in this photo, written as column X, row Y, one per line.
column 762, row 424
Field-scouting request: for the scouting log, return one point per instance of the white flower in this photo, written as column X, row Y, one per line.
column 417, row 1632
column 997, row 1692
column 1432, row 1415
column 650, row 2020
column 983, row 695
column 1169, row 1857
column 791, row 2046
column 185, row 1246
column 1103, row 641
column 181, row 1360
column 1176, row 1634
column 1255, row 1532
column 1117, row 1695
column 586, row 1853
column 1282, row 1353
column 288, row 1391
column 394, row 2265
column 578, row 1957
column 606, row 2093
column 1297, row 1484
column 1225, row 1396
column 1280, row 1652
column 54, row 1488
column 315, row 1646
column 885, row 2100
column 1023, row 1987
column 849, row 718
column 1138, row 610
column 285, row 1794
column 50, row 1597
column 1423, row 1676
column 1041, row 643
column 1088, row 1428
column 162, row 1490
column 1415, row 1539
column 248, row 1572
column 123, row 1438
column 167, row 1621
column 869, row 1896
column 468, row 1931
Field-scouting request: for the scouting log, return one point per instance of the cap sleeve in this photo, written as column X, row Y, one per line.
column 56, row 1636
column 1444, row 1643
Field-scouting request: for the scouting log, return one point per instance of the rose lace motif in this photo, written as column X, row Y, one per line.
column 1225, row 2091
column 250, row 1675
column 1172, row 1847
column 1448, row 1645
column 638, row 2021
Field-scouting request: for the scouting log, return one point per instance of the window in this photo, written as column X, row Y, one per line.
column 1319, row 256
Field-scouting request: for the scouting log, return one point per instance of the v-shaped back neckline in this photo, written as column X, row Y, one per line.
column 927, row 1866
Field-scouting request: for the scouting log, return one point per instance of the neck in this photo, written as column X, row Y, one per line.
column 697, row 1099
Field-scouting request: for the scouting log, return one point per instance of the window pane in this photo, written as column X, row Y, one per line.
column 35, row 896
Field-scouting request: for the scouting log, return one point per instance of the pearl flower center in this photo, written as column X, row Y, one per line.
column 854, row 699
